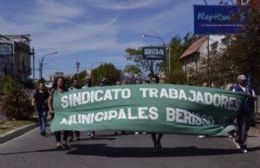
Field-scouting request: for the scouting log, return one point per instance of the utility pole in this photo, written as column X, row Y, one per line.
column 77, row 68
column 33, row 62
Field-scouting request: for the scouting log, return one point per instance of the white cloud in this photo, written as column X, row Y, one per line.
column 53, row 26
column 168, row 21
column 122, row 4
column 57, row 9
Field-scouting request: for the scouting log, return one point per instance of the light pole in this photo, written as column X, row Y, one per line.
column 33, row 62
column 208, row 50
column 164, row 45
column 41, row 62
column 77, row 68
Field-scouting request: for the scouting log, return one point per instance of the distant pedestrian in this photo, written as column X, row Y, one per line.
column 89, row 83
column 58, row 86
column 75, row 86
column 244, row 116
column 40, row 100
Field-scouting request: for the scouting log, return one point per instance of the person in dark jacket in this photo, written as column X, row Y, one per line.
column 40, row 100
column 244, row 115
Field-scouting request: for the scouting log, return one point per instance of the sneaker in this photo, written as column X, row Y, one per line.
column 58, row 146
column 65, row 146
column 43, row 134
column 136, row 133
column 92, row 135
column 201, row 136
column 244, row 150
column 159, row 146
column 237, row 144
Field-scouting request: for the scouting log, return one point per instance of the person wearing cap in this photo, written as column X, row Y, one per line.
column 244, row 116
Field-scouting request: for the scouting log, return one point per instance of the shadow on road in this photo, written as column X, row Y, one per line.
column 141, row 152
column 103, row 150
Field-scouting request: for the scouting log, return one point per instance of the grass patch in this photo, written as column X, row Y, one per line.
column 6, row 126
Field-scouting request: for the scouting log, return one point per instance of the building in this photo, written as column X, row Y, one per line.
column 195, row 57
column 255, row 4
column 15, row 56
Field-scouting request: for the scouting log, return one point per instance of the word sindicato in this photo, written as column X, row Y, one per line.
column 86, row 97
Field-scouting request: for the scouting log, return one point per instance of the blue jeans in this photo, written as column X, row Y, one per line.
column 42, row 120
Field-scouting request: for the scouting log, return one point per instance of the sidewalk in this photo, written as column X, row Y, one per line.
column 17, row 132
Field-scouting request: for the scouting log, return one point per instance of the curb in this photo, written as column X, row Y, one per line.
column 16, row 132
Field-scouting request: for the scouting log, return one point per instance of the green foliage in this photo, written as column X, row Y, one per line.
column 244, row 50
column 105, row 74
column 177, row 78
column 177, row 47
column 1, row 85
column 133, row 69
column 151, row 66
column 82, row 77
column 16, row 102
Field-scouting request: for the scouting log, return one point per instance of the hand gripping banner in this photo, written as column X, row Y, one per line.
column 164, row 108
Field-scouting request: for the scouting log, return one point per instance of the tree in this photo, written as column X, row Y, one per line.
column 133, row 70
column 177, row 46
column 240, row 57
column 244, row 50
column 151, row 66
column 105, row 74
column 81, row 76
column 16, row 102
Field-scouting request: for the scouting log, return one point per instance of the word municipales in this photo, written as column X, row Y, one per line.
column 74, row 99
column 176, row 115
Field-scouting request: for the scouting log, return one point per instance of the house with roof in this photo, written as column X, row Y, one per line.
column 195, row 57
column 15, row 56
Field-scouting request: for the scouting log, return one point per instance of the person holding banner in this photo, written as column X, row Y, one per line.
column 58, row 86
column 156, row 137
column 75, row 86
column 244, row 116
column 89, row 83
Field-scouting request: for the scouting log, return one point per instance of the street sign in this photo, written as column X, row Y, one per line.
column 215, row 19
column 154, row 53
column 6, row 49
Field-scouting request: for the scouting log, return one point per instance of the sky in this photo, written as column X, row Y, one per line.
column 93, row 32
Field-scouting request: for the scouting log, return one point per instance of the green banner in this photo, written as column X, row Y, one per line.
column 163, row 108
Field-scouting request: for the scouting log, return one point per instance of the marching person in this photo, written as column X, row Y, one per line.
column 75, row 86
column 244, row 116
column 58, row 87
column 40, row 100
column 89, row 83
column 156, row 137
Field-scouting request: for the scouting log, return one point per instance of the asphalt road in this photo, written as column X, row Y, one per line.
column 126, row 151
